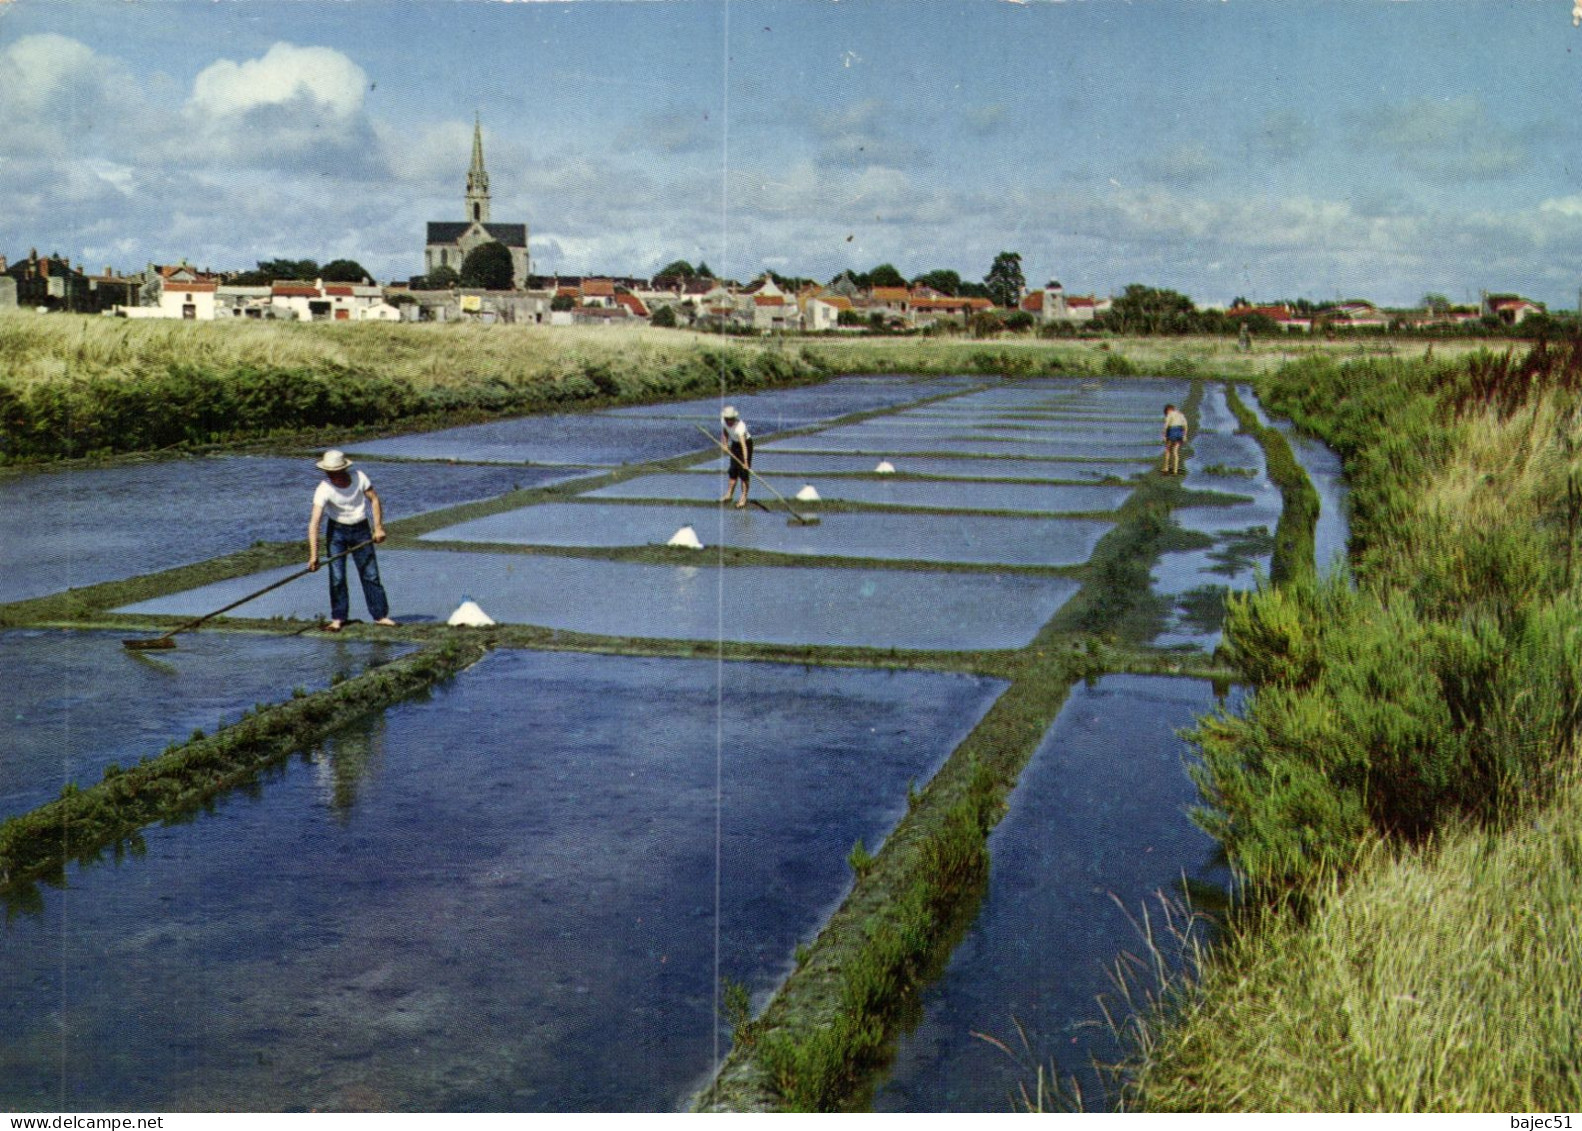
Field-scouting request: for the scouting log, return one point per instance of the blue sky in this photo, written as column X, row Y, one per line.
column 1259, row 148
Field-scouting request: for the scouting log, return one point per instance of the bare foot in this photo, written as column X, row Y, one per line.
column 386, row 621
column 741, row 504
column 333, row 626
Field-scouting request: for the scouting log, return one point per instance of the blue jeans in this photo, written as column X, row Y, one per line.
column 343, row 536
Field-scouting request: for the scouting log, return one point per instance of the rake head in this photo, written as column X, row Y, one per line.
column 149, row 645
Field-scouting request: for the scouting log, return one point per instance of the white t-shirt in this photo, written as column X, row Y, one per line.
column 738, row 432
column 347, row 504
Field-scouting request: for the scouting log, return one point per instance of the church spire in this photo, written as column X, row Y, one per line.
column 477, row 179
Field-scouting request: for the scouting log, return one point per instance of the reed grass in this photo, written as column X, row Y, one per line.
column 77, row 386
column 1440, row 979
column 1401, row 792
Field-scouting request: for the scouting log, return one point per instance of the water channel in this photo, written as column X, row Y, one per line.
column 501, row 896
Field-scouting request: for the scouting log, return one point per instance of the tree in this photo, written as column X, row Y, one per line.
column 488, row 266
column 439, row 279
column 344, row 271
column 1005, row 282
column 665, row 316
column 885, row 275
column 290, row 270
column 1435, row 302
column 703, row 271
column 680, row 269
column 1152, row 310
column 941, row 280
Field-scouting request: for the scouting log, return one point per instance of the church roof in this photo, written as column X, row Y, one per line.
column 449, row 231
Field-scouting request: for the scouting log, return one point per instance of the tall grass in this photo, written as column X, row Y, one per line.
column 76, row 386
column 1444, row 979
column 1400, row 792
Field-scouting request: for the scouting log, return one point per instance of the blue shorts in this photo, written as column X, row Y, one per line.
column 1175, row 435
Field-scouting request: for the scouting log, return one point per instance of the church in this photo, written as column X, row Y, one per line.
column 450, row 241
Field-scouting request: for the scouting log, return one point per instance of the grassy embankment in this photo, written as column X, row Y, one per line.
column 1401, row 795
column 77, row 386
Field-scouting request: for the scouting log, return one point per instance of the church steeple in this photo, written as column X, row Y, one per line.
column 477, row 179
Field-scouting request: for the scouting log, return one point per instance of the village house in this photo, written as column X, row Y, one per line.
column 190, row 301
column 1054, row 305
column 1280, row 314
column 821, row 312
column 1512, row 310
column 1358, row 314
column 47, row 282
column 931, row 311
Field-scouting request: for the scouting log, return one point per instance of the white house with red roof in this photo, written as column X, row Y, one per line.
column 1280, row 314
column 1053, row 304
column 1512, row 310
column 191, row 301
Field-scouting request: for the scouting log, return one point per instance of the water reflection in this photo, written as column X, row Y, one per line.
column 1097, row 826
column 344, row 760
column 501, row 898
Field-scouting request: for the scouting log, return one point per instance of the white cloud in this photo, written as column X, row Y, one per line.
column 61, row 98
column 296, row 108
column 285, row 75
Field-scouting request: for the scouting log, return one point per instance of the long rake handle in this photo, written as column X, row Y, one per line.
column 272, row 585
column 766, row 484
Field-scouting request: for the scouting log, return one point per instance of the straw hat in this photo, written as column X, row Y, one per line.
column 334, row 460
column 729, row 413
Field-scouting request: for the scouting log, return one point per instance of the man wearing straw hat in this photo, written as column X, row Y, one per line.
column 739, row 442
column 349, row 499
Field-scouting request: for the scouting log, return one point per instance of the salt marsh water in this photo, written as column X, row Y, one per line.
column 934, row 494
column 792, row 605
column 498, row 899
column 924, row 444
column 1097, row 826
column 646, row 433
column 1242, row 526
column 771, row 462
column 111, row 523
column 74, row 702
column 1332, row 534
column 976, row 539
column 798, row 407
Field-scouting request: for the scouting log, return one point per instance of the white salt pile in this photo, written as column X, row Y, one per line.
column 469, row 615
column 808, row 494
column 885, row 468
column 687, row 538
